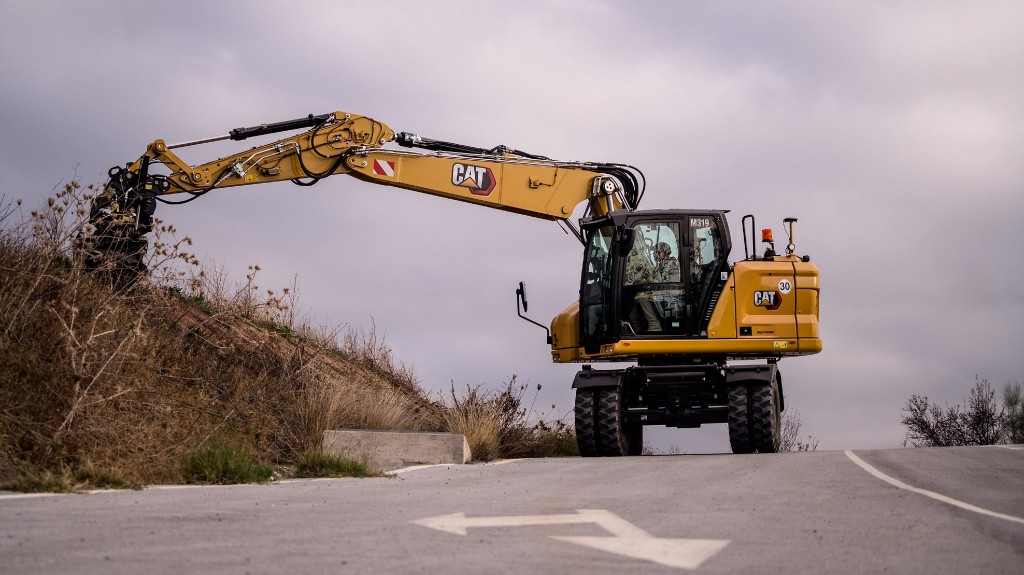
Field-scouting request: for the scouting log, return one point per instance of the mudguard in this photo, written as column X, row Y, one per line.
column 759, row 373
column 586, row 378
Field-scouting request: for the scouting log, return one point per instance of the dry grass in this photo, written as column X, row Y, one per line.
column 101, row 386
column 496, row 424
column 136, row 381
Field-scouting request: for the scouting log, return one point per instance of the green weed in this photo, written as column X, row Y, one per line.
column 225, row 461
column 102, row 478
column 316, row 463
column 31, row 480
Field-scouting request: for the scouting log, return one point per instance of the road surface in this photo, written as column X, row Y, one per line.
column 934, row 510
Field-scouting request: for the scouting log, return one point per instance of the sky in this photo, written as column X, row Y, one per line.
column 892, row 130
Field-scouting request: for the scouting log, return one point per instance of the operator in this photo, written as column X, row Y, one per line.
column 667, row 268
column 640, row 271
column 638, row 263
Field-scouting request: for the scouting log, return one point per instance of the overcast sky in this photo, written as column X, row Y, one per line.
column 894, row 131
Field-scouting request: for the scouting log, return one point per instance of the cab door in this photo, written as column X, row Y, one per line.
column 706, row 268
column 652, row 301
column 671, row 276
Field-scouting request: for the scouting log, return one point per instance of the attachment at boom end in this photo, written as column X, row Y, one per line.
column 119, row 219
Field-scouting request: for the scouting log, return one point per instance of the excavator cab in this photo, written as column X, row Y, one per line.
column 651, row 275
column 657, row 290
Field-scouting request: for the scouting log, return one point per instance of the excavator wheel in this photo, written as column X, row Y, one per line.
column 739, row 419
column 613, row 441
column 586, row 437
column 765, row 428
column 754, row 417
column 600, row 428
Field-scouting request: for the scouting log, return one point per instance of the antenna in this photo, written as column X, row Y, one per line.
column 789, row 227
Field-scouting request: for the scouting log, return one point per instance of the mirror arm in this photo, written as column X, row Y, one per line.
column 521, row 299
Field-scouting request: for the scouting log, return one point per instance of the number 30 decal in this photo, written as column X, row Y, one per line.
column 785, row 286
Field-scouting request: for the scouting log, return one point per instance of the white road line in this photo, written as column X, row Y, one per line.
column 29, row 495
column 418, row 467
column 937, row 496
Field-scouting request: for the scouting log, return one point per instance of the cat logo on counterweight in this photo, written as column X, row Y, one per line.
column 770, row 300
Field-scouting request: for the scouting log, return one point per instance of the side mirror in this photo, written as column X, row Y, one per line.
column 521, row 294
column 521, row 299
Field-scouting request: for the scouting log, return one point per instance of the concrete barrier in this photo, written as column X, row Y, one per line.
column 388, row 450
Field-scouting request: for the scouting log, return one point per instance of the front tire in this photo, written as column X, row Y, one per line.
column 585, row 411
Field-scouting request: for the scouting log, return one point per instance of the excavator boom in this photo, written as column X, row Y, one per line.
column 343, row 143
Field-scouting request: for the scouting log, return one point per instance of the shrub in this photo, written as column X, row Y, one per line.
column 31, row 479
column 222, row 460
column 316, row 463
column 1014, row 413
column 496, row 424
column 979, row 421
column 556, row 439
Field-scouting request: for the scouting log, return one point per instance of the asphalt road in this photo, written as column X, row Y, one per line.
column 787, row 513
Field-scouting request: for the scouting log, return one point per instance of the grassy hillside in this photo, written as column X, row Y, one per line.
column 100, row 386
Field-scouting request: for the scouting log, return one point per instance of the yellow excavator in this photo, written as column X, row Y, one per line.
column 656, row 288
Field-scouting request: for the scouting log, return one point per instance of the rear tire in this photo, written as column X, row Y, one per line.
column 739, row 419
column 612, row 440
column 764, row 417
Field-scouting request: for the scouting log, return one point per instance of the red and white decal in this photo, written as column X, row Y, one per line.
column 384, row 168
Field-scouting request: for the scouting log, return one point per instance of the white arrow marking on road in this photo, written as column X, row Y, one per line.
column 627, row 539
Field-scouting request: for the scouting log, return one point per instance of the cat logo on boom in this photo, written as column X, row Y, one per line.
column 770, row 300
column 479, row 179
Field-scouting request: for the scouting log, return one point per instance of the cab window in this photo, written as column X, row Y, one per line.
column 705, row 252
column 652, row 290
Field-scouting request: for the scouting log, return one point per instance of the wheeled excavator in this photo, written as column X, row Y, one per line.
column 701, row 336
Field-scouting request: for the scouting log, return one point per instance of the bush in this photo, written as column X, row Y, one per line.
column 222, row 461
column 551, row 440
column 32, row 479
column 497, row 425
column 1014, row 413
column 316, row 463
column 979, row 421
column 790, row 433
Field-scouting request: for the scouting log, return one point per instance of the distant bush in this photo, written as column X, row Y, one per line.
column 1013, row 418
column 978, row 421
column 790, row 439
